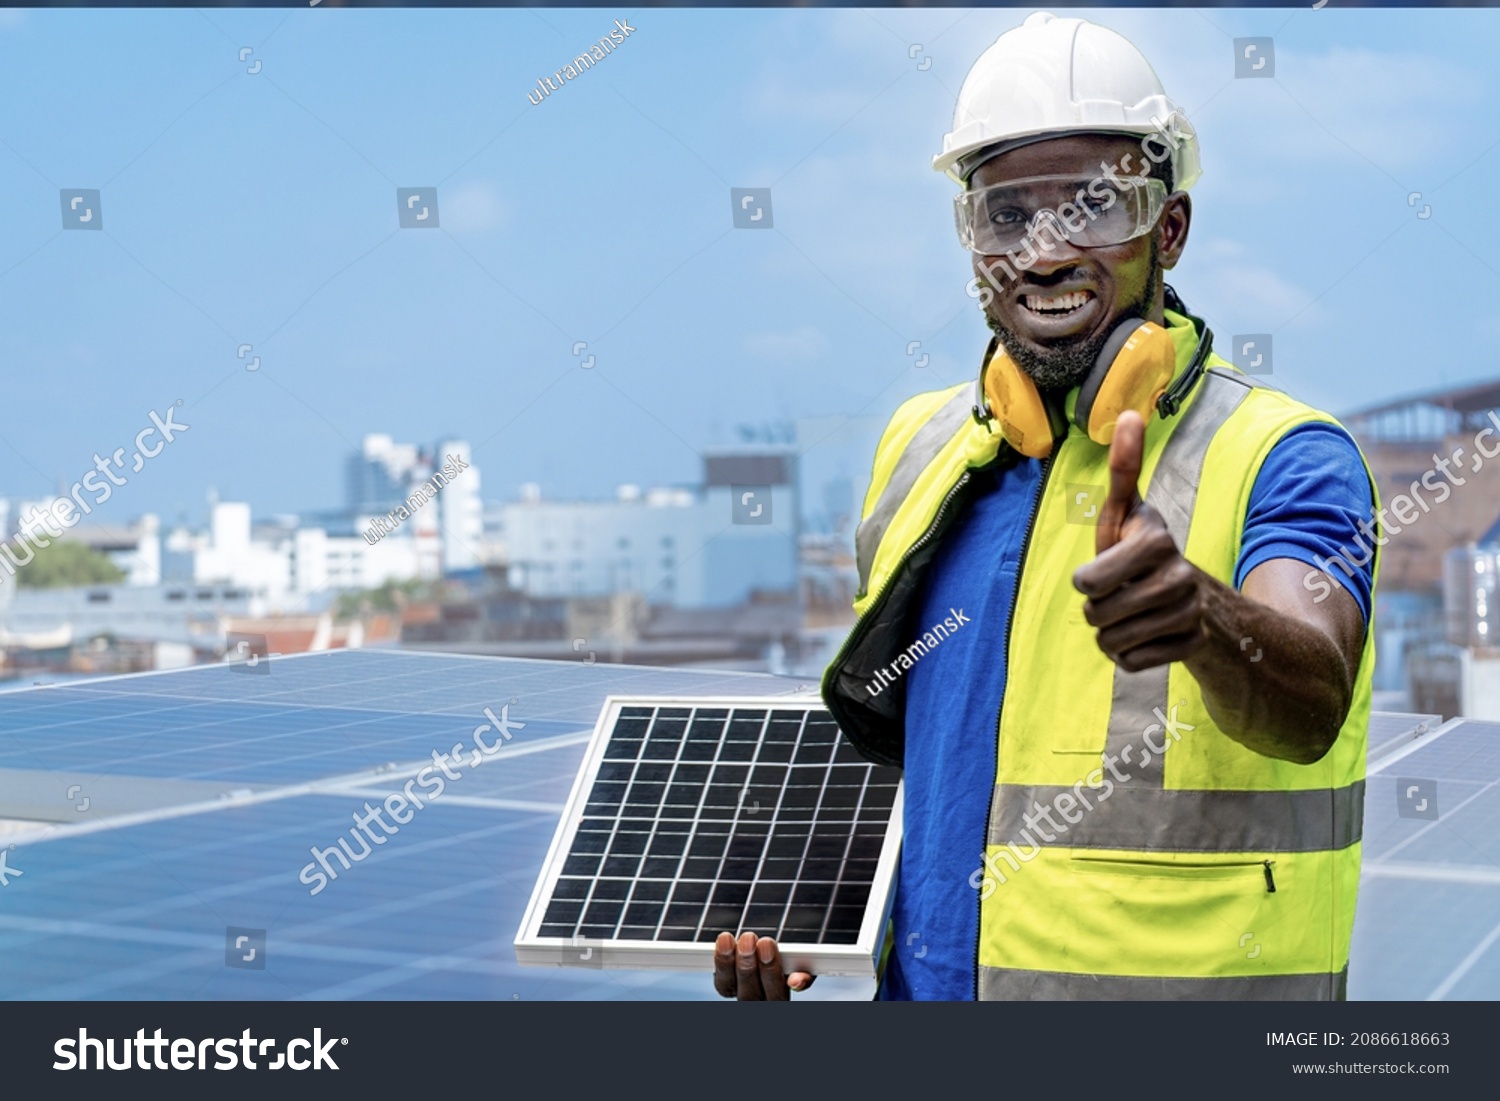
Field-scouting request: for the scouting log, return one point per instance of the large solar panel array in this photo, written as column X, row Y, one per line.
column 233, row 777
column 144, row 817
column 693, row 817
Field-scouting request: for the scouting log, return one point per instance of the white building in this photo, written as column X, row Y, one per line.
column 360, row 547
column 181, row 588
column 449, row 530
column 705, row 547
column 190, row 615
column 288, row 562
column 461, row 519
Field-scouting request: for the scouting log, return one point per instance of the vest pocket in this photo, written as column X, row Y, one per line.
column 1177, row 870
column 1076, row 719
column 1141, row 915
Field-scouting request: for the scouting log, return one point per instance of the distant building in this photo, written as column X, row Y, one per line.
column 286, row 561
column 189, row 615
column 382, row 477
column 714, row 545
column 461, row 510
column 493, row 618
column 410, row 513
column 376, row 477
column 361, row 546
column 1435, row 634
column 1404, row 441
column 134, row 548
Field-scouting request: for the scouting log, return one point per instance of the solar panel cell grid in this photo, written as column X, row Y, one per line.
column 701, row 819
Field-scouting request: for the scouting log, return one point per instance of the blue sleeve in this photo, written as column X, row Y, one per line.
column 1310, row 493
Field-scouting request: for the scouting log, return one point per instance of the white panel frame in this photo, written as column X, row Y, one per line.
column 1420, row 727
column 858, row 960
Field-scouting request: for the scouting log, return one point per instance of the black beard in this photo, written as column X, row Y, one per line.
column 1064, row 366
column 1059, row 368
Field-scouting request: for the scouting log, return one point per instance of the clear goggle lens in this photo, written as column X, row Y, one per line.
column 1087, row 212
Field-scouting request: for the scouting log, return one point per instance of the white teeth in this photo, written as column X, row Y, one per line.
column 1058, row 303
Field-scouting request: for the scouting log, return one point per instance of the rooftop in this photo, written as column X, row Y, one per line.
column 1428, row 416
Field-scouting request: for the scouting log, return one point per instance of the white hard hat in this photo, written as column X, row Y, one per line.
column 1058, row 76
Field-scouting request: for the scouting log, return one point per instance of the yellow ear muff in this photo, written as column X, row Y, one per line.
column 1134, row 370
column 1017, row 404
column 1133, row 375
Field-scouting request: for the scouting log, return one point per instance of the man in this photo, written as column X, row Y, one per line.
column 1136, row 768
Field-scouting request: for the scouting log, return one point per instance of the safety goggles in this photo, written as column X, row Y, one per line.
column 1087, row 212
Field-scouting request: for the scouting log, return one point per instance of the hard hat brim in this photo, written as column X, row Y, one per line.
column 964, row 162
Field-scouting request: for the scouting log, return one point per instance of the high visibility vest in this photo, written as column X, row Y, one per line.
column 1133, row 850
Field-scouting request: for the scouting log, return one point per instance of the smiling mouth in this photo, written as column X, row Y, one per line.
column 1056, row 305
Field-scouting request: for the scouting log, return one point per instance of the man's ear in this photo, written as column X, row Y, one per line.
column 1172, row 229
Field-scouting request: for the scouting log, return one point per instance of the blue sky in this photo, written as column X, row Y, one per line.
column 260, row 208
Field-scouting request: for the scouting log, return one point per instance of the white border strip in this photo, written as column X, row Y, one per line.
column 163, row 672
column 1471, row 874
column 1420, row 728
column 1420, row 743
column 329, row 785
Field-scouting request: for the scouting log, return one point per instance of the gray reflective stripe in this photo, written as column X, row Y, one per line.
column 1173, row 493
column 1174, row 484
column 1004, row 984
column 1131, row 715
column 923, row 448
column 1142, row 819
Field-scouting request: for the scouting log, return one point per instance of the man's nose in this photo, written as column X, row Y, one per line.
column 1050, row 242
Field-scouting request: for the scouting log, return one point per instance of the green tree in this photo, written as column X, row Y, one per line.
column 66, row 562
column 389, row 597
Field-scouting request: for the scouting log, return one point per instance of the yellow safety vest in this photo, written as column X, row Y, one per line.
column 1134, row 850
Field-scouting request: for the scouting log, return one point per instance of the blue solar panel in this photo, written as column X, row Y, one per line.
column 1429, row 910
column 699, row 815
column 143, row 907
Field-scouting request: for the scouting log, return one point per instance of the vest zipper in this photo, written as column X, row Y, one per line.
column 1270, row 879
column 1010, row 624
column 861, row 626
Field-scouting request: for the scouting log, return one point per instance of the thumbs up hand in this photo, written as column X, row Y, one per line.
column 1124, row 499
column 1148, row 603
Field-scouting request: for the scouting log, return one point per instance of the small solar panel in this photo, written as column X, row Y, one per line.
column 693, row 817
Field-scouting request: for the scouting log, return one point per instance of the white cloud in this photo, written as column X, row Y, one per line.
column 1380, row 112
column 1222, row 247
column 1252, row 295
column 1393, row 107
column 473, row 208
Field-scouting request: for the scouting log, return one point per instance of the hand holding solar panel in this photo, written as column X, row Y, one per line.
column 695, row 818
column 749, row 968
